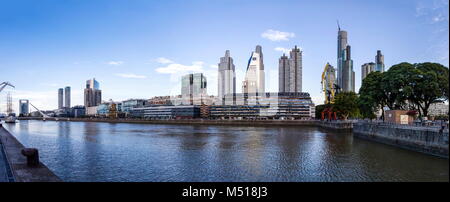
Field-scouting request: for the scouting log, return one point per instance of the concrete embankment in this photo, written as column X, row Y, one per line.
column 426, row 140
column 18, row 163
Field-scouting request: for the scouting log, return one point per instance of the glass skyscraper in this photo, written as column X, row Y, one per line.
column 345, row 75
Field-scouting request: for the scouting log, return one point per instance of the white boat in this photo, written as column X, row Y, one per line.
column 10, row 119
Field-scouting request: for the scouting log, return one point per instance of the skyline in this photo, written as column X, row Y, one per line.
column 63, row 44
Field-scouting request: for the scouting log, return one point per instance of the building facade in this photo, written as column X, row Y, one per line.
column 379, row 61
column 67, row 97
column 128, row 105
column 345, row 75
column 254, row 76
column 193, row 88
column 60, row 98
column 290, row 72
column 226, row 76
column 24, row 108
column 366, row 69
column 92, row 93
column 167, row 112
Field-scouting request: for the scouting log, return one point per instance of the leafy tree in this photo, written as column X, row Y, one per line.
column 393, row 85
column 442, row 74
column 371, row 96
column 346, row 104
column 320, row 108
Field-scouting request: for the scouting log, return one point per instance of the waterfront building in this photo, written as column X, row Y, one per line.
column 379, row 61
column 103, row 109
column 437, row 109
column 24, row 109
column 254, row 76
column 167, row 112
column 366, row 69
column 226, row 76
column 129, row 104
column 92, row 93
column 60, row 98
column 290, row 72
column 91, row 111
column 77, row 111
column 345, row 75
column 269, row 105
column 67, row 97
column 193, row 88
column 160, row 100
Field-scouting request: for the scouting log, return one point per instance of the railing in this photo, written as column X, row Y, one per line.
column 435, row 125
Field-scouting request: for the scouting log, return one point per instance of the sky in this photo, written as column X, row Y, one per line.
column 141, row 48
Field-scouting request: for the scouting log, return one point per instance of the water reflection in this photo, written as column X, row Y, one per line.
column 89, row 151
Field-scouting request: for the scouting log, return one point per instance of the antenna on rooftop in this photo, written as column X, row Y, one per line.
column 339, row 27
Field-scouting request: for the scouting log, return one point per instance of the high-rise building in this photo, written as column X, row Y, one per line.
column 290, row 72
column 379, row 61
column 193, row 88
column 226, row 76
column 24, row 107
column 60, row 98
column 92, row 93
column 67, row 97
column 254, row 77
column 345, row 75
column 366, row 69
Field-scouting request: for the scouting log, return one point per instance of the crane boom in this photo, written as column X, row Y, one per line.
column 4, row 84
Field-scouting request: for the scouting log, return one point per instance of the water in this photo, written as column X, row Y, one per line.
column 88, row 151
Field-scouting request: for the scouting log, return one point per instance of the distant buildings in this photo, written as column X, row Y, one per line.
column 254, row 77
column 60, row 98
column 366, row 69
column 346, row 75
column 290, row 72
column 24, row 109
column 371, row 67
column 67, row 97
column 226, row 76
column 92, row 94
column 193, row 88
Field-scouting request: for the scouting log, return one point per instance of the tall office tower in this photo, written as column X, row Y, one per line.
column 92, row 93
column 67, row 97
column 366, row 69
column 60, row 98
column 24, row 107
column 193, row 88
column 379, row 60
column 290, row 72
column 346, row 75
column 226, row 76
column 254, row 77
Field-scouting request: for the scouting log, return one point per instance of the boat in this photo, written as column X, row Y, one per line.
column 10, row 119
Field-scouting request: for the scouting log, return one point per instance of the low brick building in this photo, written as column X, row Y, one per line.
column 398, row 116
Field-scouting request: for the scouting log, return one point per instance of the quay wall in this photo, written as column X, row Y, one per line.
column 431, row 141
column 18, row 163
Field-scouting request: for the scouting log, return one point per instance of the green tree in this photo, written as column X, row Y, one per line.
column 371, row 95
column 346, row 105
column 393, row 85
column 320, row 108
column 427, row 86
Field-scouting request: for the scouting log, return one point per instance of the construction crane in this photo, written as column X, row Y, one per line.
column 4, row 84
column 112, row 110
column 328, row 83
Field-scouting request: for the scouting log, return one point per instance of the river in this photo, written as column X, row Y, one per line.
column 93, row 151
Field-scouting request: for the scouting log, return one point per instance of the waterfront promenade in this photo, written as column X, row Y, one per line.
column 13, row 166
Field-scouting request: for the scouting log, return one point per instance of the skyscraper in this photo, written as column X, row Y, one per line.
column 254, row 77
column 290, row 72
column 60, row 98
column 366, row 69
column 346, row 75
column 92, row 93
column 379, row 61
column 226, row 76
column 24, row 107
column 67, row 97
column 193, row 88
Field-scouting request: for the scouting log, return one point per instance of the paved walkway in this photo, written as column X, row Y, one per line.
column 3, row 164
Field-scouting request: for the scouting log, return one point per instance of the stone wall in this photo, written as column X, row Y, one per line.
column 427, row 140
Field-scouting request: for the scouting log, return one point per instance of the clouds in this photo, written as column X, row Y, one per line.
column 163, row 60
column 131, row 76
column 174, row 68
column 275, row 35
column 283, row 50
column 115, row 63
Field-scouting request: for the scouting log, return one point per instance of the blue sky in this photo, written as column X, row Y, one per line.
column 140, row 48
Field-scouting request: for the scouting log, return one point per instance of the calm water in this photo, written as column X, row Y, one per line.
column 86, row 151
